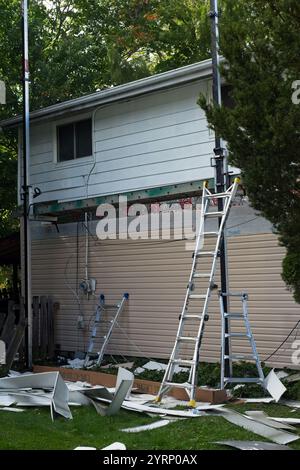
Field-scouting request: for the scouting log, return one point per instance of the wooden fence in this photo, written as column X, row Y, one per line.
column 13, row 323
column 44, row 313
column 12, row 328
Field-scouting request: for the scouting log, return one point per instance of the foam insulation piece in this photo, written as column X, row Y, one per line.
column 290, row 403
column 275, row 435
column 258, row 400
column 295, row 421
column 75, row 363
column 14, row 373
column 253, row 445
column 262, row 417
column 6, row 400
column 44, row 389
column 127, row 365
column 274, row 386
column 153, row 365
column 42, row 381
column 2, row 352
column 157, row 410
column 141, row 397
column 293, row 378
column 281, row 374
column 79, row 392
column 25, row 398
column 147, row 427
column 124, row 374
column 10, row 408
column 60, row 398
column 78, row 398
column 116, row 401
column 115, row 446
column 80, row 386
column 84, row 448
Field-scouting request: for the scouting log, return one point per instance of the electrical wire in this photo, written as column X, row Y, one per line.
column 243, row 223
column 283, row 342
column 88, row 178
column 135, row 346
column 73, row 291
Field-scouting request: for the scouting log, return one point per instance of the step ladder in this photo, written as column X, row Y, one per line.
column 196, row 322
column 246, row 334
column 106, row 317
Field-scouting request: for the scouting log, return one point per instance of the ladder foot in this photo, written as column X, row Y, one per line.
column 157, row 399
column 192, row 403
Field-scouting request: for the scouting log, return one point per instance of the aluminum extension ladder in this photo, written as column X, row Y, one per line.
column 230, row 335
column 196, row 322
column 102, row 307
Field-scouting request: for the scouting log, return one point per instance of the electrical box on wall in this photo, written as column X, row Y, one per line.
column 88, row 286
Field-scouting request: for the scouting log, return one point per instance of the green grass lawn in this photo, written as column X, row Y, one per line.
column 33, row 429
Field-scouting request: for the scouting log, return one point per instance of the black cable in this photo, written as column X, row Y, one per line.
column 284, row 341
column 243, row 223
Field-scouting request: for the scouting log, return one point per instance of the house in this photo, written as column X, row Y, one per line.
column 149, row 141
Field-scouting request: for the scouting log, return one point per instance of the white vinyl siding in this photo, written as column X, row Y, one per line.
column 154, row 140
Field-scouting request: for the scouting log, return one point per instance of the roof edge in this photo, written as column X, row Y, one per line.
column 146, row 85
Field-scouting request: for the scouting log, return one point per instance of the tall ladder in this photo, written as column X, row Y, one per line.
column 103, row 310
column 195, row 322
column 247, row 334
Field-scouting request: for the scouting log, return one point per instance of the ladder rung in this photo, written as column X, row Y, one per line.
column 103, row 322
column 197, row 296
column 234, row 294
column 234, row 315
column 237, row 335
column 249, row 380
column 238, row 357
column 218, row 195
column 187, row 317
column 211, row 233
column 184, row 362
column 214, row 214
column 206, row 253
column 201, row 275
column 187, row 338
column 179, row 385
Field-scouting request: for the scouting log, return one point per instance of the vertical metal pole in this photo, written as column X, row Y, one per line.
column 220, row 162
column 26, row 186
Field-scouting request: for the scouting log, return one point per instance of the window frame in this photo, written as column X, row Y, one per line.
column 74, row 161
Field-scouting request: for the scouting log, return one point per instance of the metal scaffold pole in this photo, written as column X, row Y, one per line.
column 220, row 160
column 26, row 192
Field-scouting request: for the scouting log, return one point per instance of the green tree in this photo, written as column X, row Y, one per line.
column 62, row 67
column 143, row 37
column 260, row 41
column 80, row 46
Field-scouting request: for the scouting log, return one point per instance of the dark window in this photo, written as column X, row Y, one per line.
column 65, row 136
column 74, row 140
column 83, row 136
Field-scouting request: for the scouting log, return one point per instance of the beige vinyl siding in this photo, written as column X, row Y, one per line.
column 155, row 274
